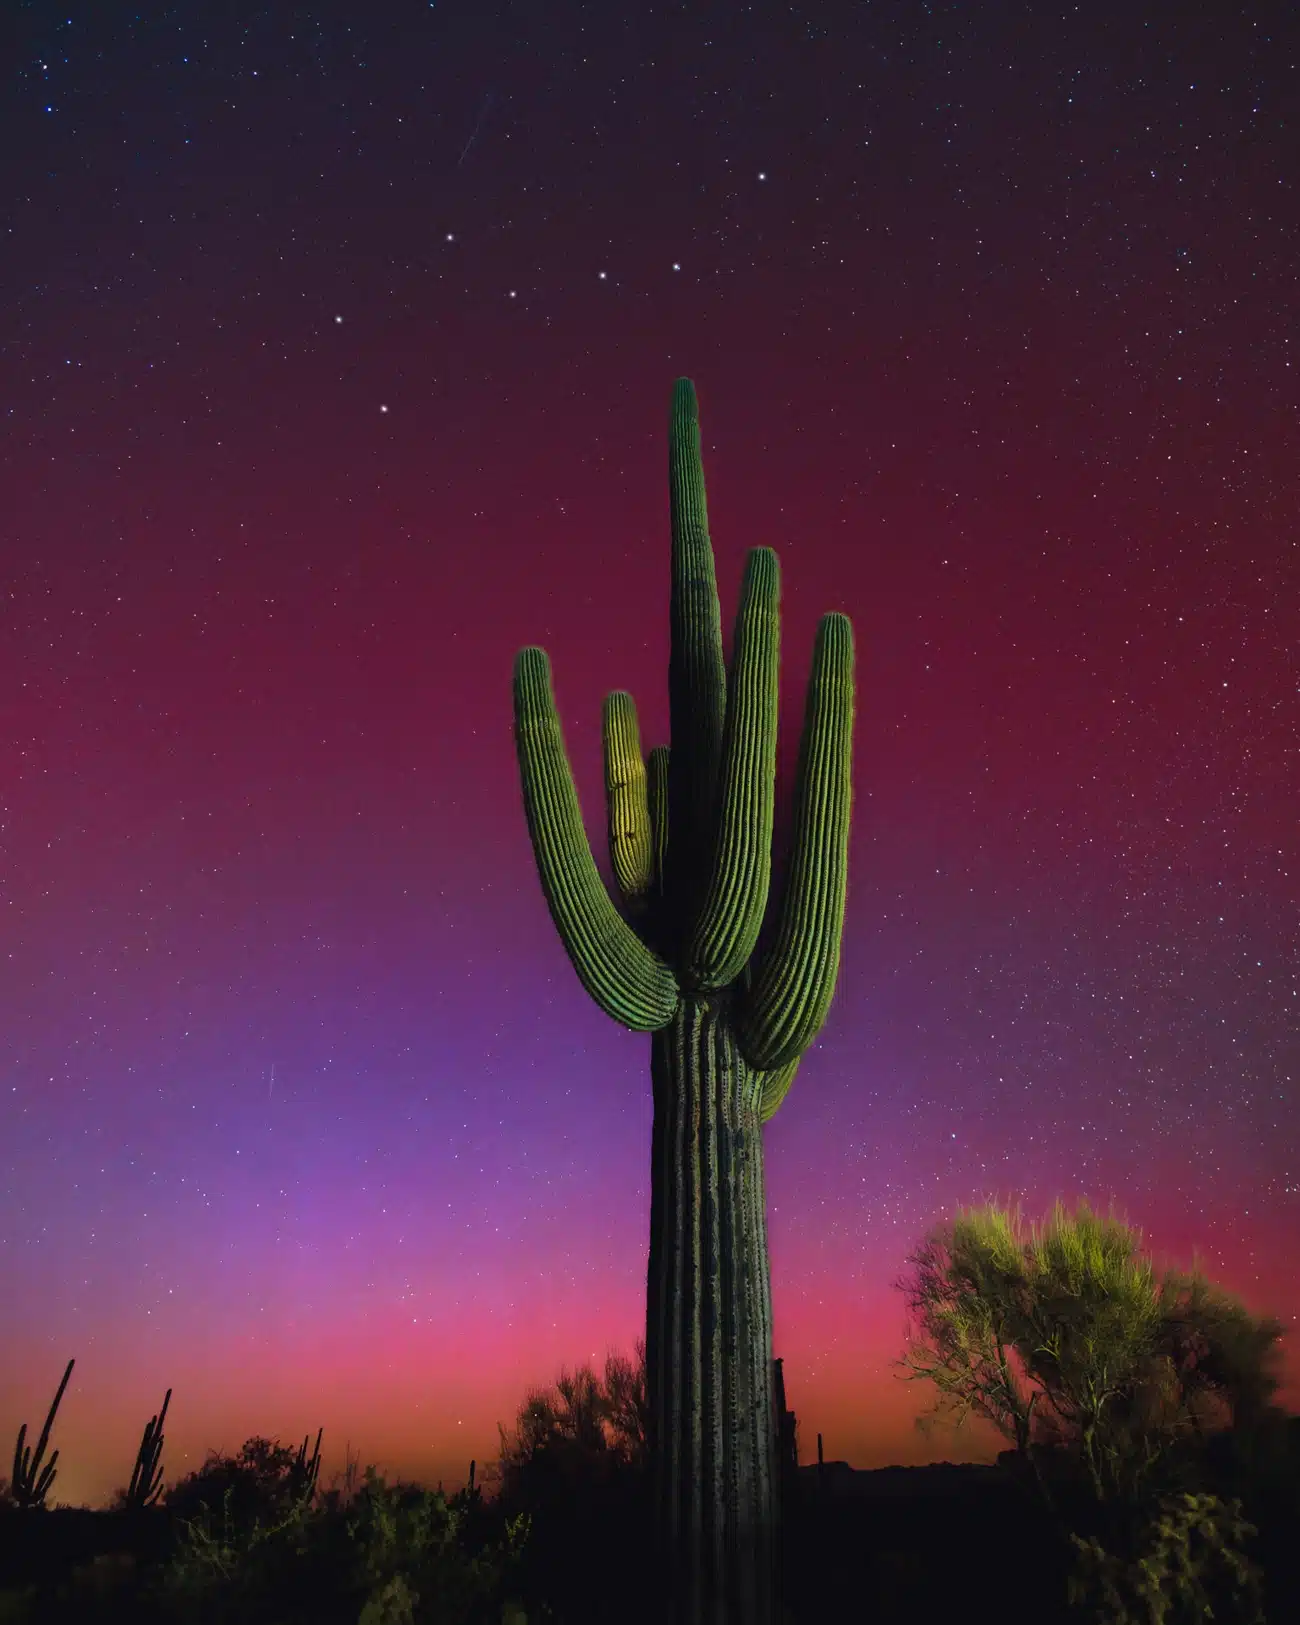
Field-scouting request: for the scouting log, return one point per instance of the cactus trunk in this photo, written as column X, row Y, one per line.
column 709, row 1324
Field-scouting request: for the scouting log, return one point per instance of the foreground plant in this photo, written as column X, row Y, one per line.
column 146, row 1476
column 391, row 1554
column 1191, row 1566
column 31, row 1480
column 690, row 837
column 1066, row 1337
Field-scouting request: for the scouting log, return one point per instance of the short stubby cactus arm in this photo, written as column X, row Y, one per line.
column 774, row 1087
column 625, row 978
column 784, row 1008
column 657, row 798
column 697, row 684
column 631, row 850
column 732, row 911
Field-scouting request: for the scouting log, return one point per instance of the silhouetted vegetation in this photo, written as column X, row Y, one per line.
column 573, row 1464
column 1150, row 1479
column 147, row 1474
column 32, row 1475
column 251, row 1539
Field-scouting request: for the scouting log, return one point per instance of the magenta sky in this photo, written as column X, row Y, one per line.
column 317, row 408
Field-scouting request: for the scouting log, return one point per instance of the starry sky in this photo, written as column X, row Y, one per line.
column 336, row 351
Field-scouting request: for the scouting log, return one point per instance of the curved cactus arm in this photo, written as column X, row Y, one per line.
column 47, row 1478
column 792, row 987
column 625, row 978
column 732, row 913
column 697, row 683
column 775, row 1086
column 657, row 798
column 631, row 849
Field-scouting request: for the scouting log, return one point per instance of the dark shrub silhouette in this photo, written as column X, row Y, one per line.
column 573, row 1463
column 260, row 1485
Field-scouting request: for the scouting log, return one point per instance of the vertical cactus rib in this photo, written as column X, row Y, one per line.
column 775, row 1087
column 791, row 992
column 631, row 850
column 627, row 980
column 696, row 672
column 657, row 798
column 732, row 913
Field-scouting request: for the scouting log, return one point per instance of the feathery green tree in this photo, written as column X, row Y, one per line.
column 1066, row 1337
column 690, row 837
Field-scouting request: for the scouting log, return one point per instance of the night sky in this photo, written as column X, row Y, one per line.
column 336, row 345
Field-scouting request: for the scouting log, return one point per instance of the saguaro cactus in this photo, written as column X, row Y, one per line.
column 305, row 1470
column 31, row 1481
column 690, row 834
column 146, row 1476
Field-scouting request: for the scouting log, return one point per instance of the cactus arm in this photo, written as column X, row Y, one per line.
column 775, row 1087
column 697, row 690
column 46, row 1478
column 732, row 911
column 631, row 849
column 791, row 991
column 21, row 1457
column 625, row 978
column 657, row 798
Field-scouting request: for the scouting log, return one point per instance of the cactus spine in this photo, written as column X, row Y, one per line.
column 146, row 1476
column 31, row 1482
column 690, row 836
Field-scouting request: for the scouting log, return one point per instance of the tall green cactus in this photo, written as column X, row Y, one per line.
column 690, row 837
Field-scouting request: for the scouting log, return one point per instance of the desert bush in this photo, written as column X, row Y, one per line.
column 573, row 1464
column 389, row 1555
column 1190, row 1566
column 259, row 1485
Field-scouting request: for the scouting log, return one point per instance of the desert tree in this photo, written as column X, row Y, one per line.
column 1071, row 1343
